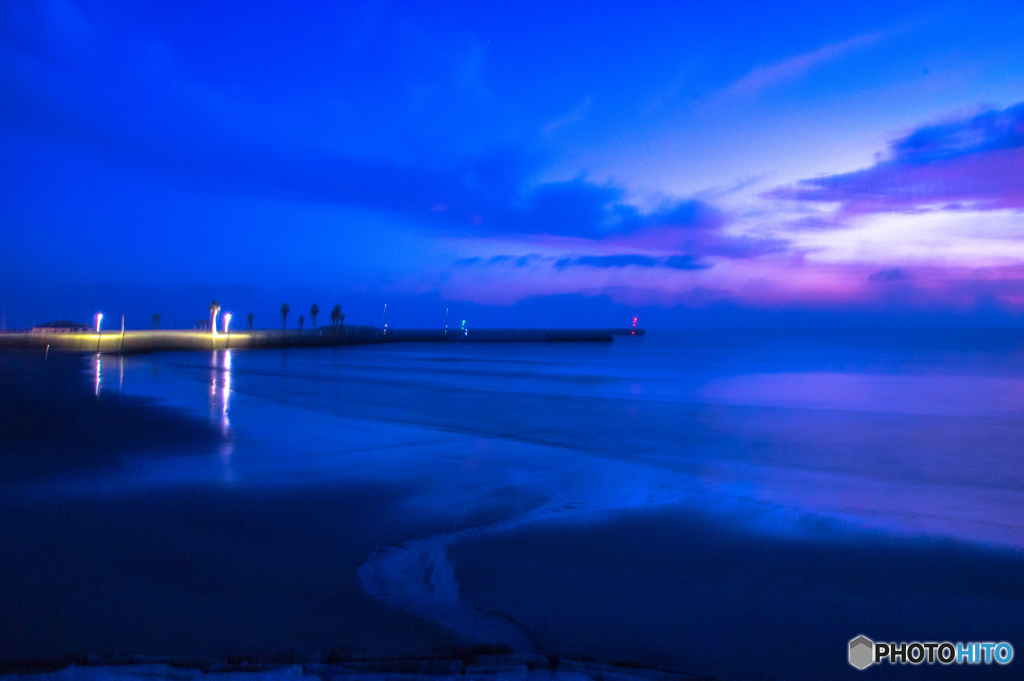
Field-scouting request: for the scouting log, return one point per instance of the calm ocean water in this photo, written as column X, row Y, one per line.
column 551, row 498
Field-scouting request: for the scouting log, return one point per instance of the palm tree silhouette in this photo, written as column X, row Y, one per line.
column 156, row 320
column 337, row 317
column 302, row 320
column 214, row 309
column 250, row 317
column 285, row 309
column 314, row 310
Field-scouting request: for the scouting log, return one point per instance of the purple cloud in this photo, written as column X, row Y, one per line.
column 685, row 262
column 676, row 262
column 619, row 260
column 579, row 208
column 975, row 163
column 890, row 275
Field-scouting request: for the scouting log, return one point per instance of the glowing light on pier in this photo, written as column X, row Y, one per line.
column 97, row 320
column 227, row 320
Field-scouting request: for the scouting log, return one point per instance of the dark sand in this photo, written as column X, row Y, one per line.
column 51, row 423
column 202, row 574
column 679, row 589
column 189, row 574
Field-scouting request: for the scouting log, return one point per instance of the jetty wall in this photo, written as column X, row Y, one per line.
column 153, row 341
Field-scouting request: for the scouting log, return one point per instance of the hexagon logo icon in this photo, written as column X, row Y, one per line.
column 862, row 652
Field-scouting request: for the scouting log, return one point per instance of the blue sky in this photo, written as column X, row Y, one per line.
column 519, row 163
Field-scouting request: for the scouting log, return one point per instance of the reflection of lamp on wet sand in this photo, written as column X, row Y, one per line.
column 225, row 423
column 220, row 403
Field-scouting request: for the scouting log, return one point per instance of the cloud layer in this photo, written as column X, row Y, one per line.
column 975, row 163
column 414, row 155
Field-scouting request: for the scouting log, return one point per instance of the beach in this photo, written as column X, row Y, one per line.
column 733, row 505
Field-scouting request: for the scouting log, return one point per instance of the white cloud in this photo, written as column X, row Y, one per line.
column 764, row 77
column 941, row 238
column 575, row 115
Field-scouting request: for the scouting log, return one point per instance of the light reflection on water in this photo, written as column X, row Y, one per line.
column 97, row 373
column 220, row 404
column 220, row 389
column 875, row 433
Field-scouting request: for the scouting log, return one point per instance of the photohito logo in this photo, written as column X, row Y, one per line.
column 864, row 652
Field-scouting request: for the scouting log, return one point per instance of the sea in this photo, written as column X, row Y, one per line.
column 732, row 504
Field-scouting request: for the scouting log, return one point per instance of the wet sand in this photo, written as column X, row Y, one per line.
column 685, row 590
column 197, row 575
column 53, row 425
column 184, row 573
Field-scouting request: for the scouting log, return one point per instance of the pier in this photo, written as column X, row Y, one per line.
column 154, row 341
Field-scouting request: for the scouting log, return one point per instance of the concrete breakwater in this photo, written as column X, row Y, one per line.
column 153, row 341
column 509, row 335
